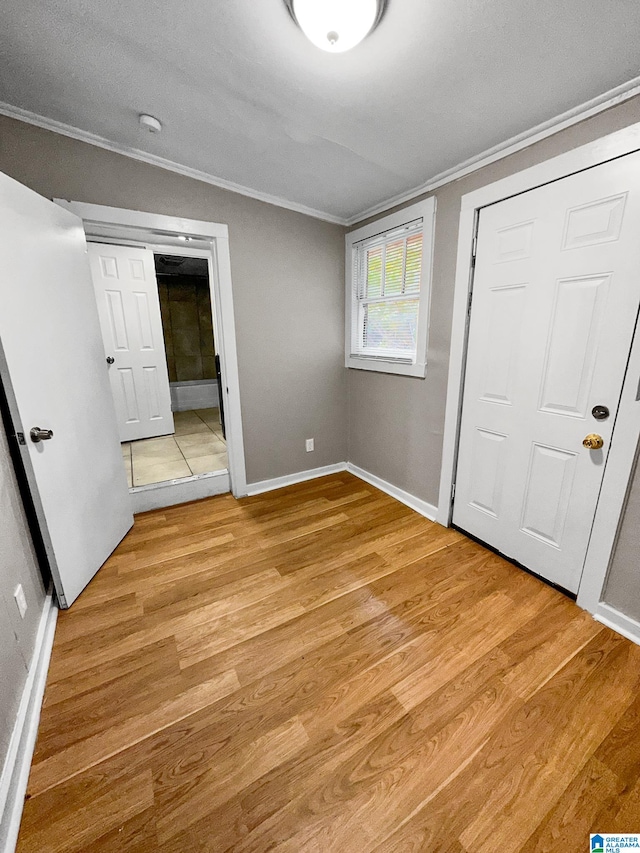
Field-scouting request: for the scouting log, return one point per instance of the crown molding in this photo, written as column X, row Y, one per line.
column 504, row 149
column 510, row 146
column 153, row 160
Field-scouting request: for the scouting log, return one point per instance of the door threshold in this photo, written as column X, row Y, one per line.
column 134, row 490
column 557, row 587
column 182, row 490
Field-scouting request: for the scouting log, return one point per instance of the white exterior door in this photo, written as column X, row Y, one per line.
column 129, row 309
column 555, row 301
column 55, row 377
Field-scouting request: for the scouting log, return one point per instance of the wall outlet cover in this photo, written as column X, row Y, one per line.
column 309, row 444
column 21, row 601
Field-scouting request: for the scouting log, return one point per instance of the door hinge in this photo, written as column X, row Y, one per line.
column 469, row 302
column 474, row 249
column 20, row 438
column 453, row 491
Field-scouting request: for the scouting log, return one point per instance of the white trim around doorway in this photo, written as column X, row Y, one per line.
column 622, row 454
column 210, row 240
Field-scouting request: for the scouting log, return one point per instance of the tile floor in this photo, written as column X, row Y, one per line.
column 197, row 447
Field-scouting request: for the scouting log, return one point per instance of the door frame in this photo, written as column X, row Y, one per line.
column 210, row 240
column 622, row 453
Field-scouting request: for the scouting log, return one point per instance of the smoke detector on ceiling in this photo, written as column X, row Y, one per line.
column 149, row 123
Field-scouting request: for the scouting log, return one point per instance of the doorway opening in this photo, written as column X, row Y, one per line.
column 198, row 443
column 160, row 235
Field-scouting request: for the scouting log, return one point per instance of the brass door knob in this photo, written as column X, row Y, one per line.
column 593, row 441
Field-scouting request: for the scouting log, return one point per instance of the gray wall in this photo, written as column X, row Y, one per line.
column 396, row 423
column 17, row 566
column 288, row 280
column 288, row 295
column 289, row 306
column 622, row 589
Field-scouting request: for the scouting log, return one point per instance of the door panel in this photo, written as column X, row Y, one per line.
column 55, row 377
column 129, row 309
column 546, row 493
column 555, row 302
column 117, row 325
column 487, row 473
column 568, row 372
column 598, row 222
column 499, row 345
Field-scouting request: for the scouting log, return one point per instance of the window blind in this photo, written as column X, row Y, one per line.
column 387, row 276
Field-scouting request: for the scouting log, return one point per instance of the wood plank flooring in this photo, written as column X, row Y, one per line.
column 320, row 669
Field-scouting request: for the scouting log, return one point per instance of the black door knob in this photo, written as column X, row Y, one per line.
column 110, row 359
column 38, row 434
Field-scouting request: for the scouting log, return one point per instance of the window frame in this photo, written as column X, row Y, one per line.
column 426, row 211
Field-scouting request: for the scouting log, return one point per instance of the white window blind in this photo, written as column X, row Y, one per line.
column 387, row 277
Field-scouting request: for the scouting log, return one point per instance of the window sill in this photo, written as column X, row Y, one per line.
column 378, row 365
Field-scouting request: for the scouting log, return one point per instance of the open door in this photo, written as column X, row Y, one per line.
column 126, row 289
column 54, row 371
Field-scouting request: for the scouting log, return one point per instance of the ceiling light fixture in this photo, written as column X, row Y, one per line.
column 149, row 123
column 336, row 25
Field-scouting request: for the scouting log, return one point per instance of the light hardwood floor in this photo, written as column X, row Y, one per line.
column 320, row 669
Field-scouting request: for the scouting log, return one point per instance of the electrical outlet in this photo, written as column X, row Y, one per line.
column 309, row 445
column 21, row 601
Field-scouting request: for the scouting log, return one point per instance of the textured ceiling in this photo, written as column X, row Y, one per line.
column 244, row 97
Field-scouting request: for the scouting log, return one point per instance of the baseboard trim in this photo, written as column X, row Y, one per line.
column 426, row 509
column 23, row 739
column 617, row 621
column 422, row 507
column 291, row 479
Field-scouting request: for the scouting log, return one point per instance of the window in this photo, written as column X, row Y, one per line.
column 388, row 283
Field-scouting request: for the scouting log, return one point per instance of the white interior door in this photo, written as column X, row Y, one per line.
column 126, row 291
column 555, row 301
column 53, row 369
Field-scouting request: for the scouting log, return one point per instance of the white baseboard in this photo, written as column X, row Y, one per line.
column 173, row 492
column 426, row 509
column 15, row 777
column 292, row 479
column 617, row 621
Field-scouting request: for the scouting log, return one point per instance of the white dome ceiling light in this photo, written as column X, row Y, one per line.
column 336, row 25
